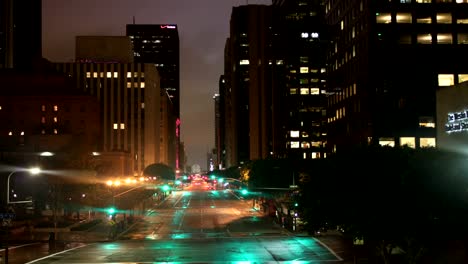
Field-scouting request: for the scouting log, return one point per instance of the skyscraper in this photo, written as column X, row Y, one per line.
column 386, row 63
column 159, row 45
column 20, row 33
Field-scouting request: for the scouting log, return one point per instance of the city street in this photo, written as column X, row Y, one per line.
column 193, row 225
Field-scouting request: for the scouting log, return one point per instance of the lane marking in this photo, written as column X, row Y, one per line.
column 20, row 246
column 329, row 249
column 58, row 253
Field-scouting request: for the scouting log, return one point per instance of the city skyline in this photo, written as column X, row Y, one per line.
column 203, row 29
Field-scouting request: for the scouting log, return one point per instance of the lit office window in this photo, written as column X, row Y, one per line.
column 446, row 79
column 304, row 69
column 404, row 18
column 10, row 133
column 294, row 134
column 88, row 75
column 408, row 141
column 116, row 126
column 304, row 91
column 444, row 38
column 461, row 1
column 426, row 121
column 279, row 62
column 55, row 131
column 424, row 20
column 424, row 39
column 122, row 126
column 424, row 1
column 444, row 18
column 462, row 78
column 55, row 108
column 142, row 85
column 315, row 155
column 304, row 134
column 43, row 108
column 462, row 20
column 129, row 85
column 387, row 142
column 22, row 133
column 314, row 91
column 55, row 119
column 292, row 90
column 305, row 145
column 294, row 144
column 462, row 38
column 244, row 62
column 383, row 18
column 427, row 142
column 129, row 75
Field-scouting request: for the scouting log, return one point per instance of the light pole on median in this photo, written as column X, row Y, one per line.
column 33, row 171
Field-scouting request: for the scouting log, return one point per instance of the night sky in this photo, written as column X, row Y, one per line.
column 203, row 28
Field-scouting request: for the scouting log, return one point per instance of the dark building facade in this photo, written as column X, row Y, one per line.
column 248, row 94
column 158, row 44
column 299, row 47
column 219, row 128
column 387, row 61
column 20, row 33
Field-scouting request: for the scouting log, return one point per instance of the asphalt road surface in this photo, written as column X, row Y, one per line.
column 199, row 225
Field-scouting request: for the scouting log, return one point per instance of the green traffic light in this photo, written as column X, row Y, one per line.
column 111, row 210
column 296, row 204
column 244, row 191
column 166, row 188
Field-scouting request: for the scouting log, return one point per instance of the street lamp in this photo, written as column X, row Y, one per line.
column 33, row 171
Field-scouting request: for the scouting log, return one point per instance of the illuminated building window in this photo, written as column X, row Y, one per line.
column 43, row 120
column 427, row 142
column 95, row 74
column 403, row 18
column 304, row 81
column 444, row 18
column 142, row 105
column 314, row 91
column 462, row 78
column 304, row 134
column 462, row 21
column 22, row 133
column 129, row 85
column 88, row 75
column 142, row 85
column 316, row 144
column 305, row 145
column 424, row 39
column 426, row 121
column 446, row 79
column 279, row 62
column 55, row 119
column 244, row 62
column 43, row 132
column 304, row 70
column 295, row 134
column 294, row 144
column 55, row 131
column 424, row 1
column 315, row 155
column 444, row 38
column 109, row 75
column 122, row 126
column 292, row 71
column 116, row 126
column 55, row 108
column 43, row 108
column 304, row 155
column 383, row 18
column 387, row 142
column 462, row 38
column 304, row 59
column 408, row 141
column 292, row 90
column 10, row 133
column 304, row 90
column 101, row 74
column 424, row 20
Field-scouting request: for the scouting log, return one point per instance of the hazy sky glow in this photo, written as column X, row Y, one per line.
column 203, row 28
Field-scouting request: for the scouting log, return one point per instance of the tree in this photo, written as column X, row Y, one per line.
column 160, row 170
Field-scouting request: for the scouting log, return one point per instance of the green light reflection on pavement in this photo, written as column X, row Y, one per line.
column 180, row 236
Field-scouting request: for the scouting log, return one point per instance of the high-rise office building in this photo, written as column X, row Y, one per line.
column 138, row 122
column 20, row 33
column 158, row 44
column 248, row 95
column 385, row 65
column 299, row 47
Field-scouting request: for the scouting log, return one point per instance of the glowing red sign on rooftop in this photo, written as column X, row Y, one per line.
column 168, row 26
